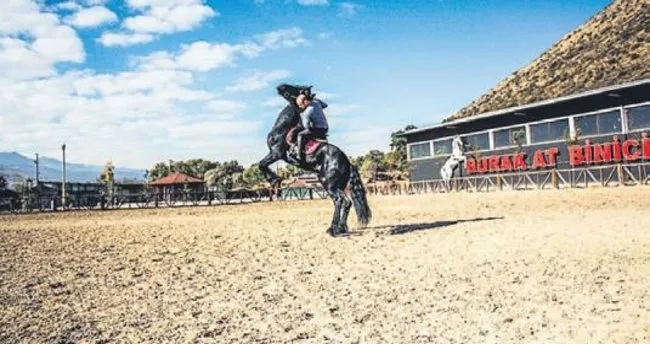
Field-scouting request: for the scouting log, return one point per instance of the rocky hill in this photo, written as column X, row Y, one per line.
column 613, row 47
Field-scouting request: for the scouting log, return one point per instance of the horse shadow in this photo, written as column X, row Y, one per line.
column 409, row 228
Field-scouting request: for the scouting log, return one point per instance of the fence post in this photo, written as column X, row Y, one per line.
column 554, row 178
column 621, row 176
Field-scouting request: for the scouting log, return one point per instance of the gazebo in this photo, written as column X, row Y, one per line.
column 176, row 183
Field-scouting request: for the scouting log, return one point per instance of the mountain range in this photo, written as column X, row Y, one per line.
column 17, row 167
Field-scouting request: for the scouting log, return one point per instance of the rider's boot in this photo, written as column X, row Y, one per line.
column 300, row 150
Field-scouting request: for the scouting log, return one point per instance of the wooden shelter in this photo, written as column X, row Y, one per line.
column 177, row 183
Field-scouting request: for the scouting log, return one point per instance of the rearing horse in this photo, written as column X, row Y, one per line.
column 330, row 163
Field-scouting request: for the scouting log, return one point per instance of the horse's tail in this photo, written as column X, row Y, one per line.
column 358, row 192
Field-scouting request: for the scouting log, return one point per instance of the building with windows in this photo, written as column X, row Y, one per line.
column 595, row 116
column 590, row 86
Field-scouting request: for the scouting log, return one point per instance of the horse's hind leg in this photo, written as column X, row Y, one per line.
column 338, row 199
column 346, row 204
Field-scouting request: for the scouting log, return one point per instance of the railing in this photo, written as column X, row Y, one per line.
column 95, row 201
column 580, row 177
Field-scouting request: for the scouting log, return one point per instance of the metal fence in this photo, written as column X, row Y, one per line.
column 95, row 201
column 583, row 177
column 635, row 174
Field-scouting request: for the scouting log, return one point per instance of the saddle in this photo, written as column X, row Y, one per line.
column 311, row 145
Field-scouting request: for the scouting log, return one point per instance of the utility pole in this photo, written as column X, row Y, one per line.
column 37, row 172
column 63, row 198
column 37, row 187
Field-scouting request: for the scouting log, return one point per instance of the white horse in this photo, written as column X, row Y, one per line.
column 457, row 157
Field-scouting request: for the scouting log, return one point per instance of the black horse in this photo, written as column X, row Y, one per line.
column 330, row 163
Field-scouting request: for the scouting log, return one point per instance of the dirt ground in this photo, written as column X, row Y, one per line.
column 513, row 267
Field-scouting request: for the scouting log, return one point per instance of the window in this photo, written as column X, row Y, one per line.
column 420, row 150
column 442, row 147
column 510, row 137
column 638, row 118
column 599, row 124
column 549, row 131
column 478, row 141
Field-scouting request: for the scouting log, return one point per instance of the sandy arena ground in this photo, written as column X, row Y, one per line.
column 513, row 267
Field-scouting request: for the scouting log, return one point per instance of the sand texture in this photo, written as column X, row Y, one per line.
column 567, row 266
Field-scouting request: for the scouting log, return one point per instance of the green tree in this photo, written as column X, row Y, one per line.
column 253, row 176
column 288, row 172
column 398, row 143
column 3, row 183
column 373, row 163
column 213, row 177
column 233, row 166
column 237, row 180
column 160, row 170
column 357, row 161
column 397, row 158
column 195, row 167
column 221, row 176
column 394, row 161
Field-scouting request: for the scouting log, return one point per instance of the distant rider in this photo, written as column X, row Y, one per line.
column 313, row 121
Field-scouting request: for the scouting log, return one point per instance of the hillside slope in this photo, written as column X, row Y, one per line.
column 16, row 166
column 613, row 47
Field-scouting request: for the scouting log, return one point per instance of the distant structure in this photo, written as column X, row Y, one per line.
column 176, row 183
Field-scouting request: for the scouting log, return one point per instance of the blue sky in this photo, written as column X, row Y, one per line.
column 140, row 81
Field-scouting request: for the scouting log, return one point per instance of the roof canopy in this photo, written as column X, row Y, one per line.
column 177, row 178
column 607, row 97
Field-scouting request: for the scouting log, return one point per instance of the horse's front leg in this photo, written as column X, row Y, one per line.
column 264, row 164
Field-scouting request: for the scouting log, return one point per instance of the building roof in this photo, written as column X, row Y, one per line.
column 611, row 48
column 600, row 93
column 176, row 178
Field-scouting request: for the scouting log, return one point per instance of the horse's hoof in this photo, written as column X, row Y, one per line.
column 332, row 232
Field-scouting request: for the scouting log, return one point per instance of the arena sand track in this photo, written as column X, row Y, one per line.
column 526, row 267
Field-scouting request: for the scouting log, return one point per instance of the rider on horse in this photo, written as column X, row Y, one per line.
column 313, row 121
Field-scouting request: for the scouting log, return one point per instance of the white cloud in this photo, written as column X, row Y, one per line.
column 324, row 35
column 158, row 17
column 313, row 2
column 198, row 56
column 153, row 111
column 32, row 41
column 349, row 9
column 226, row 107
column 92, row 17
column 274, row 102
column 325, row 96
column 258, row 80
column 205, row 56
column 111, row 39
column 69, row 6
column 88, row 111
column 283, row 38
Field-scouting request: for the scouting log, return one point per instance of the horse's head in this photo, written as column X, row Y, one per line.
column 290, row 92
